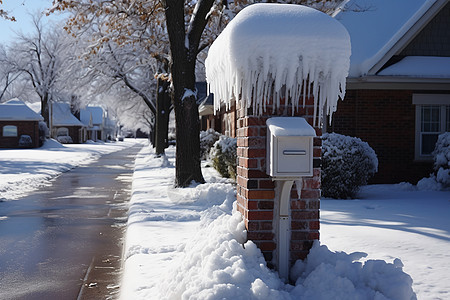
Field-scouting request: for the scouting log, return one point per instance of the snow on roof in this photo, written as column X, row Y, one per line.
column 375, row 26
column 267, row 47
column 16, row 110
column 94, row 111
column 420, row 66
column 62, row 115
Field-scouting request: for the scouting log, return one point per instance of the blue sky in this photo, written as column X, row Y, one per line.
column 20, row 9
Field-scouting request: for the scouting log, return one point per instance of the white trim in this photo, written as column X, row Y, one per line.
column 441, row 100
column 431, row 99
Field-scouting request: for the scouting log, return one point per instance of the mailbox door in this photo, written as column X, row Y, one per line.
column 294, row 155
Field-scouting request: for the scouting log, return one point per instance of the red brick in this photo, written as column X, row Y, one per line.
column 260, row 215
column 313, row 204
column 298, row 204
column 305, row 215
column 314, row 225
column 256, row 174
column 311, row 183
column 314, row 236
column 253, row 153
column 260, row 235
column 252, row 225
column 265, row 204
column 267, row 246
column 310, row 194
column 252, row 204
column 266, row 184
column 317, row 152
column 266, row 225
column 260, row 194
column 248, row 162
column 299, row 235
column 299, row 225
column 251, row 131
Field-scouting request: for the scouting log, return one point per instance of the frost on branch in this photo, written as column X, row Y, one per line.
column 269, row 51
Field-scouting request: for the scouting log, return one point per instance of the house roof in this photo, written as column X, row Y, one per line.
column 91, row 111
column 16, row 110
column 420, row 66
column 380, row 28
column 62, row 115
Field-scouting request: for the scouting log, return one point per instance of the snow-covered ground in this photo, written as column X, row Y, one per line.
column 25, row 170
column 187, row 244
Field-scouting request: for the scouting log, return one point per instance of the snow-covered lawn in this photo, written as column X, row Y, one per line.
column 187, row 244
column 25, row 170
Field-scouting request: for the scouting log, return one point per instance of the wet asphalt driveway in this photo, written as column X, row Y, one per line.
column 65, row 241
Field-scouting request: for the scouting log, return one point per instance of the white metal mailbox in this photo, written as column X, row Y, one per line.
column 289, row 147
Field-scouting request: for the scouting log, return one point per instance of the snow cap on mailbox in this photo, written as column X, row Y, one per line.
column 269, row 51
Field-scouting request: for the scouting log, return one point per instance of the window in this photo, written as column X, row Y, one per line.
column 9, row 130
column 432, row 119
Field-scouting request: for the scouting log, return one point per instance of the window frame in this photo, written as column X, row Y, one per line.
column 10, row 127
column 420, row 100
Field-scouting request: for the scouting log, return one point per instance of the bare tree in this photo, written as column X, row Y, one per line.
column 42, row 57
column 8, row 72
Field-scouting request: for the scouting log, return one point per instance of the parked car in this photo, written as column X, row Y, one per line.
column 65, row 139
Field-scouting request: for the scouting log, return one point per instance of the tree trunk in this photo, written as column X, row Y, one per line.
column 162, row 116
column 45, row 112
column 184, row 50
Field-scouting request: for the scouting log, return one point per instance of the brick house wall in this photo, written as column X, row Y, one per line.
column 256, row 190
column 385, row 119
column 30, row 128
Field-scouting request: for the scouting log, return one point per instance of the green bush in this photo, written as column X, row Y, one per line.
column 223, row 156
column 347, row 164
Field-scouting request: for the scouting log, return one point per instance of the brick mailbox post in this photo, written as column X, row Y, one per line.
column 293, row 66
column 256, row 194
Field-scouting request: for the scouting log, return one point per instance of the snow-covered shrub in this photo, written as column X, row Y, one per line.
column 207, row 140
column 25, row 141
column 64, row 139
column 442, row 159
column 223, row 156
column 347, row 164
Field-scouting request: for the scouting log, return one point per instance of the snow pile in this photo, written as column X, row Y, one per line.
column 271, row 51
column 226, row 266
column 338, row 275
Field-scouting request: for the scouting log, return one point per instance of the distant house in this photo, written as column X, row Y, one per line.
column 65, row 124
column 99, row 125
column 19, row 125
column 223, row 121
column 398, row 89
